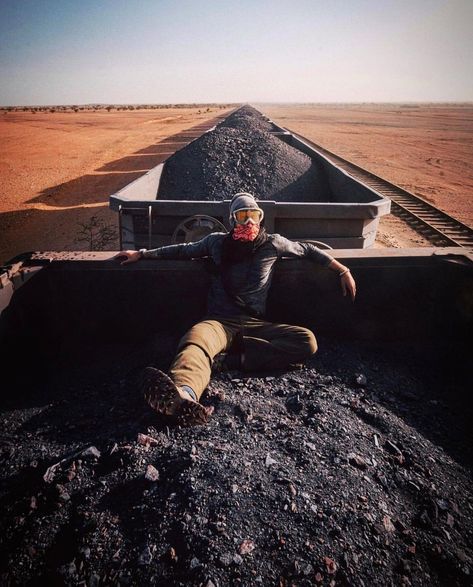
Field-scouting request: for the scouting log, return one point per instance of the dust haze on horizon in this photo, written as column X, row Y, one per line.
column 306, row 51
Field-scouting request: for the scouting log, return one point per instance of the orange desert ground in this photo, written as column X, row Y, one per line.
column 58, row 168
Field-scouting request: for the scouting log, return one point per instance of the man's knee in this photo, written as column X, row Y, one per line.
column 208, row 335
column 309, row 341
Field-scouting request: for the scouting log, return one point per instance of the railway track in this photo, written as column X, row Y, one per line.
column 433, row 224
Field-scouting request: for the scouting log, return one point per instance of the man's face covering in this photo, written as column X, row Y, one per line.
column 246, row 232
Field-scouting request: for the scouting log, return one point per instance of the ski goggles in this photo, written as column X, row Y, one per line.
column 244, row 216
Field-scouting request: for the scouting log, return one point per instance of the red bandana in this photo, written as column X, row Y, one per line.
column 245, row 232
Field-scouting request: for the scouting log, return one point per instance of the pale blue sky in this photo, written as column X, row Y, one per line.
column 140, row 51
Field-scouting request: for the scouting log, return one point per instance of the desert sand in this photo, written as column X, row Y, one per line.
column 425, row 149
column 58, row 169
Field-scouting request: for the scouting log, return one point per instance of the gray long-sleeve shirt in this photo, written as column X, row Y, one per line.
column 247, row 282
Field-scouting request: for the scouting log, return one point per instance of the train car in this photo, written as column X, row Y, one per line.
column 342, row 213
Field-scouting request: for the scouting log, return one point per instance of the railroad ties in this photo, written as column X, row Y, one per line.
column 434, row 225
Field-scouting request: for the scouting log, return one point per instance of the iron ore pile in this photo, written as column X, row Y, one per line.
column 240, row 155
column 353, row 470
column 247, row 118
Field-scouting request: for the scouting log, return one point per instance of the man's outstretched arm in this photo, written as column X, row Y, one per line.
column 184, row 251
column 321, row 257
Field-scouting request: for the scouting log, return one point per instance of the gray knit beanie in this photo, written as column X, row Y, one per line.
column 242, row 201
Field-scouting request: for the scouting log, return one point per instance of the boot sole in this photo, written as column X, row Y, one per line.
column 162, row 395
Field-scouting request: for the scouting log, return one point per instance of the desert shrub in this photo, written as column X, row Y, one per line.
column 96, row 233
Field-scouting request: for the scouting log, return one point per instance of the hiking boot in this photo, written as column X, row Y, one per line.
column 163, row 395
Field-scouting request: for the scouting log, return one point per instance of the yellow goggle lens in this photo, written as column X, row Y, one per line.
column 241, row 216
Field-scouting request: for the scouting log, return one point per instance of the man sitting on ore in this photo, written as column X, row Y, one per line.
column 244, row 260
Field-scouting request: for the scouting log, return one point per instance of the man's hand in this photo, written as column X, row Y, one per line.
column 348, row 285
column 130, row 256
column 346, row 279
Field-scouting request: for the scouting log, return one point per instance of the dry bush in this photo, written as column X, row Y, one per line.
column 97, row 234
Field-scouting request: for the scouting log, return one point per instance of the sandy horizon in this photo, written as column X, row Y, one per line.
column 58, row 169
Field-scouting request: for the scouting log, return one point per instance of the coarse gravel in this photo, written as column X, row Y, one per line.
column 354, row 470
column 241, row 155
column 248, row 118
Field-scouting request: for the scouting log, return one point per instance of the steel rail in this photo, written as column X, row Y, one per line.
column 432, row 223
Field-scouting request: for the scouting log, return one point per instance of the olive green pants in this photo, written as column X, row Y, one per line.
column 265, row 346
